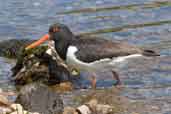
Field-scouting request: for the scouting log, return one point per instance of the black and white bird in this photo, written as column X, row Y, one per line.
column 90, row 53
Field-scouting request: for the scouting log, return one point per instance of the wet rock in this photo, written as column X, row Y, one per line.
column 156, row 108
column 4, row 102
column 36, row 65
column 14, row 109
column 107, row 96
column 4, row 105
column 70, row 110
column 134, row 113
column 63, row 87
column 92, row 107
column 18, row 109
column 7, row 107
column 39, row 98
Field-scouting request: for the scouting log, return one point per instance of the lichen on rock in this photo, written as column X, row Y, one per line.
column 36, row 65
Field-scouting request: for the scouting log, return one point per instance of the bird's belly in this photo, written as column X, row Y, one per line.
column 99, row 65
column 93, row 66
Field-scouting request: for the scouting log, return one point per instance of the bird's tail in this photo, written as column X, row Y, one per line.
column 150, row 53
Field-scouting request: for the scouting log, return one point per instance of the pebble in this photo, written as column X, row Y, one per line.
column 3, row 101
column 18, row 109
column 155, row 108
column 134, row 113
column 95, row 108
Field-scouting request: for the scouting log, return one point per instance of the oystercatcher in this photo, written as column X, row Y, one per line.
column 90, row 53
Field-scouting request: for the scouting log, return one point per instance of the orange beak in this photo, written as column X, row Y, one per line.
column 37, row 43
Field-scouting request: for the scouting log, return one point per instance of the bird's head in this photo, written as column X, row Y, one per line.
column 57, row 32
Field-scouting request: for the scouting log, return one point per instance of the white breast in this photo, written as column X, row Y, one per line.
column 51, row 47
column 72, row 60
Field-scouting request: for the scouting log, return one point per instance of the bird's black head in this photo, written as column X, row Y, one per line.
column 62, row 36
column 60, row 31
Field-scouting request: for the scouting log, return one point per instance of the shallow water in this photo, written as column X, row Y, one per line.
column 146, row 23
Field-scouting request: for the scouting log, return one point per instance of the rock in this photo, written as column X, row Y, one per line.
column 70, row 110
column 155, row 108
column 4, row 101
column 134, row 113
column 14, row 109
column 92, row 107
column 10, row 48
column 4, row 105
column 19, row 110
column 36, row 65
column 39, row 98
column 63, row 87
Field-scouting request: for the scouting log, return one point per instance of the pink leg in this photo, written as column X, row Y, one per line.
column 93, row 81
column 116, row 77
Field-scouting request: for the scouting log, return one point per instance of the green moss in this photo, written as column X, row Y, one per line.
column 16, row 47
column 37, row 51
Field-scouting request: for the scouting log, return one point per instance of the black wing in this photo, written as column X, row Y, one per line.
column 93, row 49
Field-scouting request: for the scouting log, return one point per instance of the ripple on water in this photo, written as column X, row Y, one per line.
column 5, row 73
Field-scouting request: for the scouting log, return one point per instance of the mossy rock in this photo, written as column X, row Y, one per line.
column 10, row 48
column 38, row 51
column 35, row 65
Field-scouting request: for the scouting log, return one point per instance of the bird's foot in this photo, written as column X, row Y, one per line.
column 118, row 84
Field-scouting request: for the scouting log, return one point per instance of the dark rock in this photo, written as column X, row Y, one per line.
column 39, row 98
column 36, row 65
column 10, row 48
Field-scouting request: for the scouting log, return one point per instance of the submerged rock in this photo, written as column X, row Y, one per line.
column 39, row 98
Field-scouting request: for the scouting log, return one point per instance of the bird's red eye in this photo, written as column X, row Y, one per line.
column 56, row 29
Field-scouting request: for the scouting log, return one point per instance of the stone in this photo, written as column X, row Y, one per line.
column 36, row 65
column 92, row 107
column 70, row 110
column 63, row 87
column 40, row 98
column 155, row 108
column 10, row 48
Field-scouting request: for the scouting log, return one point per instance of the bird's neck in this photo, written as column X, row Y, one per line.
column 61, row 47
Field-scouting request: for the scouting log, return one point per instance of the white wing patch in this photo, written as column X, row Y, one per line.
column 121, row 59
column 71, row 58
